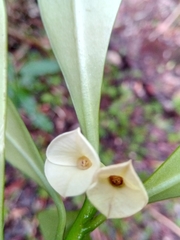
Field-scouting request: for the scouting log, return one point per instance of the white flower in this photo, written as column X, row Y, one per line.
column 73, row 167
column 117, row 191
column 71, row 163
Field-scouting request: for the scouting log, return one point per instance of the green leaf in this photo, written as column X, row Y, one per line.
column 79, row 32
column 21, row 152
column 3, row 87
column 164, row 183
column 48, row 222
column 32, row 70
column 71, row 217
column 39, row 120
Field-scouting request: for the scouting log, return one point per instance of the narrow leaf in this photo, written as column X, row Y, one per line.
column 21, row 152
column 164, row 183
column 3, row 78
column 79, row 32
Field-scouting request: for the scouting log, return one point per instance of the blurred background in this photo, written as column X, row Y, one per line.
column 139, row 115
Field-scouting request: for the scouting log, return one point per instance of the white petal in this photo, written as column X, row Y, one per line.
column 68, row 181
column 122, row 201
column 68, row 147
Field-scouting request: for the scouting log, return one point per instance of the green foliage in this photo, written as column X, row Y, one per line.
column 31, row 78
column 48, row 220
column 39, row 120
column 33, row 70
column 165, row 181
column 127, row 117
column 21, row 152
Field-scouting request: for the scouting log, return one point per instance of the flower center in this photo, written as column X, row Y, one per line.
column 115, row 180
column 83, row 163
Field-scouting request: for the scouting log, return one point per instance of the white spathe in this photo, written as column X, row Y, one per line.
column 62, row 168
column 117, row 201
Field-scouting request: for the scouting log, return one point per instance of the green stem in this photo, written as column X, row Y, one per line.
column 87, row 212
column 77, row 231
column 61, row 215
column 94, row 223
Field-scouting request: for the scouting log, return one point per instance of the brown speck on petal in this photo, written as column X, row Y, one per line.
column 84, row 163
column 115, row 180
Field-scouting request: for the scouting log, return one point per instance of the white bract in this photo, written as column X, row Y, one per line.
column 71, row 163
column 117, row 191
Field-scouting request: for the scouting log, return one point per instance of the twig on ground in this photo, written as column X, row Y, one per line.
column 40, row 44
column 164, row 220
column 163, row 27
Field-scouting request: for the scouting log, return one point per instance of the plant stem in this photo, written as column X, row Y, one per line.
column 77, row 232
column 61, row 215
column 94, row 223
